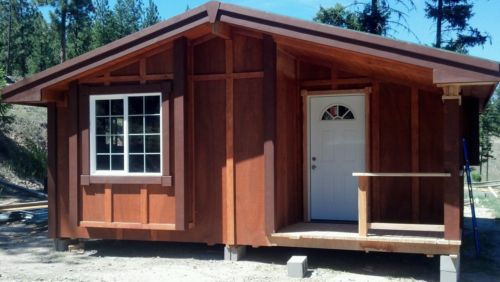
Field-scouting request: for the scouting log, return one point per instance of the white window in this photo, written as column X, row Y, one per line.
column 125, row 134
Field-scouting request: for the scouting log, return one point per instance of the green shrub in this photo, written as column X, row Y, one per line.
column 476, row 177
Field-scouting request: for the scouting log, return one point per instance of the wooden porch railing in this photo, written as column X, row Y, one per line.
column 364, row 205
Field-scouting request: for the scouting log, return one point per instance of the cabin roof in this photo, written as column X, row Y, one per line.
column 447, row 67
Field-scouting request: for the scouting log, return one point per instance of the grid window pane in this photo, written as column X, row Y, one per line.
column 102, row 125
column 136, row 144
column 140, row 124
column 153, row 163
column 136, row 163
column 102, row 162
column 152, row 143
column 152, row 105
column 117, row 145
column 152, row 124
column 102, row 107
column 135, row 105
column 117, row 107
column 117, row 125
column 117, row 162
column 102, row 144
column 135, row 125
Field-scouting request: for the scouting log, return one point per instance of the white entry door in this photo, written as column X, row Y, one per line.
column 336, row 150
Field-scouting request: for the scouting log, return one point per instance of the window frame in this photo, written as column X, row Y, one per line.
column 92, row 136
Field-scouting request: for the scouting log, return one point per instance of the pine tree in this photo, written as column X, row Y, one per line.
column 152, row 16
column 128, row 17
column 338, row 16
column 4, row 108
column 104, row 28
column 374, row 16
column 453, row 30
column 489, row 125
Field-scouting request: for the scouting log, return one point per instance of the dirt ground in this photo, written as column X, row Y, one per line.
column 26, row 255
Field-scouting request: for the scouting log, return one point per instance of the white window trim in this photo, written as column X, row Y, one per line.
column 93, row 170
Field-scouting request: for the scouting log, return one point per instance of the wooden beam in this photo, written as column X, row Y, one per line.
column 406, row 227
column 223, row 76
column 73, row 160
column 142, row 70
column 451, row 156
column 269, row 101
column 375, row 149
column 128, row 225
column 335, row 82
column 179, row 93
column 129, row 78
column 415, row 156
column 84, row 129
column 363, row 206
column 230, row 171
column 52, row 168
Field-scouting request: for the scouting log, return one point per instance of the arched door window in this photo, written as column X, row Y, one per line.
column 337, row 112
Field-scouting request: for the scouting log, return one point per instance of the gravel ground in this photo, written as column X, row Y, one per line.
column 26, row 255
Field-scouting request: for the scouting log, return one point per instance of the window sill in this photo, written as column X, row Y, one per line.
column 86, row 180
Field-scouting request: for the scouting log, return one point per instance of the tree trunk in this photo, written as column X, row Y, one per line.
column 439, row 22
column 9, row 42
column 62, row 31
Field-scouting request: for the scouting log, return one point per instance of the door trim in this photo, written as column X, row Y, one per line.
column 306, row 140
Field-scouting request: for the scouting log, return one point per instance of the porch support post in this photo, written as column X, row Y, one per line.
column 451, row 156
column 269, row 85
column 363, row 206
column 52, row 168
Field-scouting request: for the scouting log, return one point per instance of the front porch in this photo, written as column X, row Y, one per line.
column 347, row 237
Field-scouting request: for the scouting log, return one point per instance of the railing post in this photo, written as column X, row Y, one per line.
column 363, row 206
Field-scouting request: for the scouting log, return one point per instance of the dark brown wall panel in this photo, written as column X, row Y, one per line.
column 431, row 156
column 470, row 130
column 395, row 152
column 288, row 145
column 209, row 57
column 160, row 63
column 310, row 71
column 249, row 161
column 132, row 69
column 247, row 54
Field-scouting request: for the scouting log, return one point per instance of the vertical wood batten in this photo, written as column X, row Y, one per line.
column 415, row 182
column 73, row 154
column 179, row 94
column 375, row 145
column 269, row 85
column 52, row 168
column 451, row 143
column 230, row 171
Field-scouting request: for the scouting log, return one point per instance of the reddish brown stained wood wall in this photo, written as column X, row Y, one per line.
column 249, row 161
column 395, row 153
column 289, row 186
column 210, row 159
column 431, row 156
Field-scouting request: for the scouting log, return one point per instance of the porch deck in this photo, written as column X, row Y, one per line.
column 346, row 237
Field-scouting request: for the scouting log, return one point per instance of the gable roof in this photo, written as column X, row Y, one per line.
column 448, row 67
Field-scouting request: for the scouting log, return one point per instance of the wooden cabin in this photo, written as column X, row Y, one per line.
column 225, row 125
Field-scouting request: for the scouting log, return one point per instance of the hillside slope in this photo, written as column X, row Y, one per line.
column 23, row 146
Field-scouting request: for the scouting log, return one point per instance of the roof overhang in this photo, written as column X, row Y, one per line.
column 447, row 67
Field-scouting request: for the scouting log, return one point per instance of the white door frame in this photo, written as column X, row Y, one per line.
column 306, row 95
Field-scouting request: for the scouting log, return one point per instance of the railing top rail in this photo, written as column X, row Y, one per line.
column 401, row 174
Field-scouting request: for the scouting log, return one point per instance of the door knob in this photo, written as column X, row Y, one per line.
column 313, row 167
column 313, row 158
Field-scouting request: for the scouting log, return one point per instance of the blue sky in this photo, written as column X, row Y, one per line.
column 486, row 17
